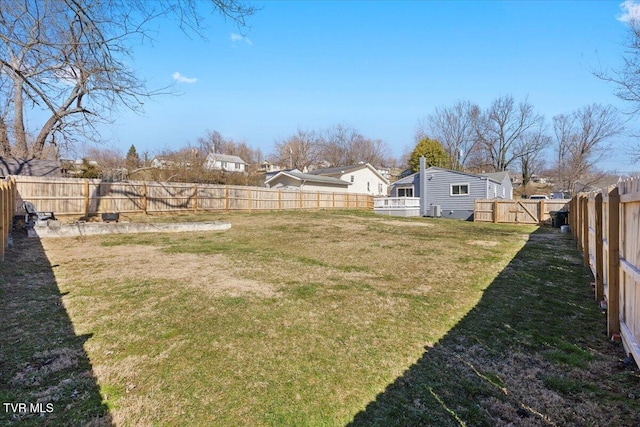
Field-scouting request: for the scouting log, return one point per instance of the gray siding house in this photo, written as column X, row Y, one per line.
column 452, row 191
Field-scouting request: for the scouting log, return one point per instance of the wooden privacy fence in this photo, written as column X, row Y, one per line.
column 69, row 196
column 521, row 211
column 606, row 226
column 7, row 208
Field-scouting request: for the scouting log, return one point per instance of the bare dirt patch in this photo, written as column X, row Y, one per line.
column 488, row 243
column 213, row 274
column 406, row 223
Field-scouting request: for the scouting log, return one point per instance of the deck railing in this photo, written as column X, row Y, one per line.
column 396, row 202
column 397, row 206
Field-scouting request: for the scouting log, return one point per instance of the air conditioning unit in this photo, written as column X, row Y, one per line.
column 436, row 211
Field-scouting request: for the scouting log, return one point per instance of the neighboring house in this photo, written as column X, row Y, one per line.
column 160, row 162
column 364, row 178
column 268, row 167
column 584, row 186
column 506, row 184
column 29, row 167
column 538, row 179
column 453, row 191
column 295, row 179
column 225, row 162
column 269, row 175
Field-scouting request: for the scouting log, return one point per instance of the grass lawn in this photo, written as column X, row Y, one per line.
column 309, row 319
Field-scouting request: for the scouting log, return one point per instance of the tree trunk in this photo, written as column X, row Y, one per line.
column 20, row 134
column 5, row 146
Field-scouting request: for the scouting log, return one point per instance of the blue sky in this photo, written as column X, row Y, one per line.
column 376, row 66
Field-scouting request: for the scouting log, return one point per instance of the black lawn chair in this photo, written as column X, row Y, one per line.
column 34, row 215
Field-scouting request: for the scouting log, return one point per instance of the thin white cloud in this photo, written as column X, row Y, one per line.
column 630, row 11
column 240, row 38
column 182, row 79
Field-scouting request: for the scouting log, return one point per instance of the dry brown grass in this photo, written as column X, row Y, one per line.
column 320, row 318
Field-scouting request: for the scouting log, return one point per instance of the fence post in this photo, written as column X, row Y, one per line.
column 572, row 217
column 14, row 191
column 585, row 230
column 318, row 196
column 579, row 220
column 279, row 200
column 5, row 214
column 576, row 227
column 598, row 249
column 226, row 198
column 195, row 198
column 613, row 281
column 2, row 214
column 144, row 198
column 249, row 201
column 86, row 198
column 495, row 211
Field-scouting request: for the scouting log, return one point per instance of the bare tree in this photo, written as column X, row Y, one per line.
column 214, row 142
column 211, row 143
column 530, row 148
column 454, row 127
column 582, row 140
column 70, row 59
column 342, row 145
column 626, row 78
column 501, row 127
column 299, row 151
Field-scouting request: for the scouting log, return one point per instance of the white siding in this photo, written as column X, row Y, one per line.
column 365, row 181
column 324, row 187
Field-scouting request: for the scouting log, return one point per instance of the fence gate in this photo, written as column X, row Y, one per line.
column 520, row 212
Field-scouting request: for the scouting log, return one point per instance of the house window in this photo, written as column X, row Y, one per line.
column 352, row 178
column 459, row 189
column 368, row 186
column 379, row 188
column 405, row 192
column 224, row 165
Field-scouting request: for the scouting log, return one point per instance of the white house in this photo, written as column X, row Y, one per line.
column 364, row 178
column 294, row 179
column 268, row 167
column 225, row 162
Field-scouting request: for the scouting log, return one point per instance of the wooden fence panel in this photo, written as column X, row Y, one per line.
column 591, row 232
column 4, row 189
column 595, row 241
column 82, row 197
column 630, row 264
column 7, row 211
column 606, row 226
column 483, row 210
column 611, row 257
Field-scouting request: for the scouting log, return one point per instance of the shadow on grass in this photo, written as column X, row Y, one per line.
column 533, row 351
column 45, row 374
